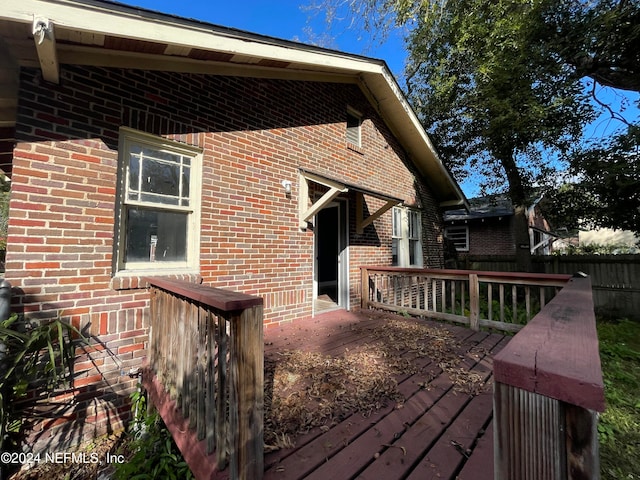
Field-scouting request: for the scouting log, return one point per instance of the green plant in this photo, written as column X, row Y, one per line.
column 619, row 425
column 31, row 355
column 150, row 450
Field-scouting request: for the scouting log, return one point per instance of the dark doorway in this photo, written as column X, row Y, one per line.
column 331, row 278
column 328, row 248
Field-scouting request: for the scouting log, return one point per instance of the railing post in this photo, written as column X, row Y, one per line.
column 474, row 302
column 548, row 388
column 364, row 288
column 246, row 371
column 207, row 344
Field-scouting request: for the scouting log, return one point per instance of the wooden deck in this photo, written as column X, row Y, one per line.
column 437, row 433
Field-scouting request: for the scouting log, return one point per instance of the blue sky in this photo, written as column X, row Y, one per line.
column 285, row 19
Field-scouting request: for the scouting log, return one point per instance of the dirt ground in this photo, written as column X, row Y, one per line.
column 70, row 470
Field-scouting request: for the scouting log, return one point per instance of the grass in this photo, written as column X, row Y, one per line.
column 619, row 425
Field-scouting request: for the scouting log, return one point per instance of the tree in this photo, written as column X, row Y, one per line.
column 599, row 39
column 606, row 187
column 500, row 86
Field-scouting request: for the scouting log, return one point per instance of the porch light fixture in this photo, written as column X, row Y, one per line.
column 286, row 184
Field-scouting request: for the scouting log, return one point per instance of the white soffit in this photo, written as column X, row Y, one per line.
column 127, row 22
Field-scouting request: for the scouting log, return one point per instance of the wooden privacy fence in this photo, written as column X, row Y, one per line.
column 548, row 388
column 501, row 300
column 206, row 375
column 615, row 279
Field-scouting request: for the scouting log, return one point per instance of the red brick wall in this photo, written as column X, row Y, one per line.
column 492, row 237
column 254, row 133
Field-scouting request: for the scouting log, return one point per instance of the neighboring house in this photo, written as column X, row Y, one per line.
column 486, row 228
column 145, row 144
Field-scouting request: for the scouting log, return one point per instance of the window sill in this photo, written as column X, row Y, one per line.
column 355, row 148
column 136, row 281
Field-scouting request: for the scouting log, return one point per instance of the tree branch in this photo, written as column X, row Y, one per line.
column 614, row 115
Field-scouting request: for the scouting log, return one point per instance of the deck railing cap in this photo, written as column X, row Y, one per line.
column 221, row 299
column 556, row 354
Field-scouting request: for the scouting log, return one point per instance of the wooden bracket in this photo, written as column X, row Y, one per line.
column 45, row 40
column 361, row 222
column 306, row 212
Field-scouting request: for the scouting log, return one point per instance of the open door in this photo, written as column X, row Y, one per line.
column 331, row 278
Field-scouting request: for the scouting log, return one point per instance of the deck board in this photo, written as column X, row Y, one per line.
column 434, row 434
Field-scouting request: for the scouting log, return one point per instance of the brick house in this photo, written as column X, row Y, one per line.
column 486, row 228
column 140, row 144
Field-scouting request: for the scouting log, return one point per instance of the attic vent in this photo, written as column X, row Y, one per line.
column 354, row 124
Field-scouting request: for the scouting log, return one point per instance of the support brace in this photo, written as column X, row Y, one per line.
column 306, row 212
column 335, row 189
column 45, row 40
column 361, row 222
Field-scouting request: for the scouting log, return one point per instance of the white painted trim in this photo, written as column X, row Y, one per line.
column 146, row 26
column 344, row 280
column 43, row 31
column 97, row 20
column 192, row 264
column 305, row 212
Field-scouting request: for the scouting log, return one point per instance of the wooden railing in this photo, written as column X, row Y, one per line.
column 503, row 301
column 205, row 375
column 548, row 388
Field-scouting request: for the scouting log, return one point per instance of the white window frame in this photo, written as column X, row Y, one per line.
column 129, row 137
column 406, row 234
column 354, row 132
column 459, row 235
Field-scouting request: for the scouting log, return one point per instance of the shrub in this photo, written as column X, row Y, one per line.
column 150, row 450
column 31, row 356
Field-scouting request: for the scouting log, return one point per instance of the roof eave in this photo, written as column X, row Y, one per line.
column 100, row 18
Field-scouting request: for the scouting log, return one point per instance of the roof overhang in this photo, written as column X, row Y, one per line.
column 108, row 34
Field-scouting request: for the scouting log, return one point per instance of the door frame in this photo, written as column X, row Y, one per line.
column 342, row 204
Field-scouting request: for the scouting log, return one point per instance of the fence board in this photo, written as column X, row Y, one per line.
column 615, row 278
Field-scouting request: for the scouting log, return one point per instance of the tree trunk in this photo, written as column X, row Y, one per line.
column 521, row 237
column 517, row 192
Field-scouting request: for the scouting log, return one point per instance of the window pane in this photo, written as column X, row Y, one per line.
column 459, row 236
column 397, row 222
column 186, row 174
column 157, row 176
column 134, row 174
column 160, row 177
column 413, row 252
column 155, row 236
column 414, row 227
column 394, row 251
column 353, row 129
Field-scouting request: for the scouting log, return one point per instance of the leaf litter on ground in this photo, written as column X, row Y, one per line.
column 306, row 390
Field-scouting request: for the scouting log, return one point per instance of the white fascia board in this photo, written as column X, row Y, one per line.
column 394, row 105
column 126, row 22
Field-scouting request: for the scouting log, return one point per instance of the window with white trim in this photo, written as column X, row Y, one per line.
column 354, row 127
column 158, row 226
column 459, row 235
column 406, row 237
